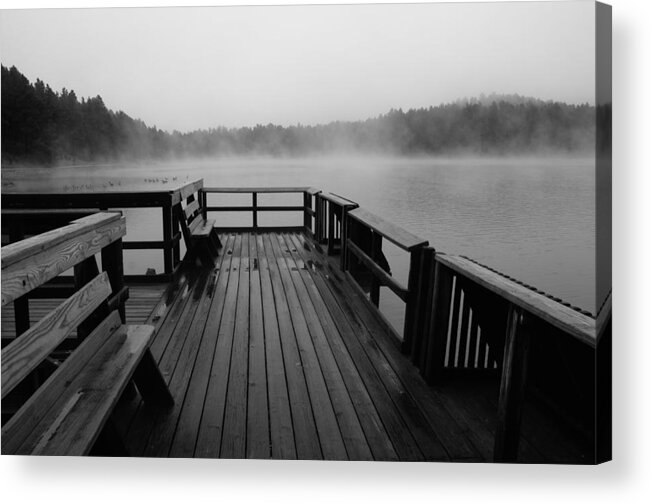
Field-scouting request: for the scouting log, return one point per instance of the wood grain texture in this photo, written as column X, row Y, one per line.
column 19, row 250
column 37, row 268
column 50, row 393
column 72, row 428
column 25, row 353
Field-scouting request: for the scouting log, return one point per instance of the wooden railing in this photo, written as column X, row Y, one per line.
column 27, row 214
column 479, row 320
column 363, row 235
column 306, row 209
column 72, row 246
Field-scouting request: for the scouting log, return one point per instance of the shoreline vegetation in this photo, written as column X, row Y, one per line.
column 43, row 127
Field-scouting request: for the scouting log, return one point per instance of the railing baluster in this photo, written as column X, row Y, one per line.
column 463, row 331
column 454, row 322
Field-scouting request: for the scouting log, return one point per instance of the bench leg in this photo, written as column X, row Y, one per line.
column 150, row 382
column 109, row 443
column 214, row 237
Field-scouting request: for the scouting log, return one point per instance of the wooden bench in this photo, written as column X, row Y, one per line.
column 67, row 413
column 201, row 238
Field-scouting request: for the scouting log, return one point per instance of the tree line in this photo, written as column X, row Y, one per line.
column 43, row 126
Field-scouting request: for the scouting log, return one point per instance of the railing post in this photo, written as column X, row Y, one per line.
column 376, row 250
column 203, row 201
column 176, row 248
column 255, row 209
column 168, row 248
column 307, row 218
column 84, row 272
column 512, row 388
column 112, row 263
column 331, row 228
column 424, row 309
column 413, row 298
column 432, row 359
column 343, row 260
column 21, row 304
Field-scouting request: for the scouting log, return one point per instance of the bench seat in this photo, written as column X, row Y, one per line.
column 203, row 228
column 67, row 413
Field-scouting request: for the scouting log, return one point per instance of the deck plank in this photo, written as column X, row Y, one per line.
column 332, row 443
column 209, row 439
column 402, row 439
column 272, row 353
column 422, row 431
column 258, row 444
column 185, row 437
column 305, row 432
column 349, row 425
column 280, row 416
column 234, row 433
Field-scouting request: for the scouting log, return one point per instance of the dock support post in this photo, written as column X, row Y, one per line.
column 512, row 388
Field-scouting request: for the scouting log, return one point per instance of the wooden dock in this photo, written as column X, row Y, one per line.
column 273, row 353
column 275, row 348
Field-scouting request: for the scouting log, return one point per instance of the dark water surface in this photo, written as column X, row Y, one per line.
column 533, row 219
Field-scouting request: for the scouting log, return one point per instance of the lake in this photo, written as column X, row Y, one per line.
column 533, row 219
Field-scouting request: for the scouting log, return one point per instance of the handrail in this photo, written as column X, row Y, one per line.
column 578, row 325
column 247, row 190
column 32, row 262
column 384, row 278
column 309, row 213
column 395, row 234
column 338, row 200
column 18, row 251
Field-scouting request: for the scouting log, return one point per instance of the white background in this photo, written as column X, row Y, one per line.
column 627, row 479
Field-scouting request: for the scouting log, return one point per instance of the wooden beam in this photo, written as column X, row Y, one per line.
column 39, row 261
column 395, row 234
column 20, row 250
column 383, row 276
column 512, row 388
column 255, row 189
column 25, row 353
column 563, row 317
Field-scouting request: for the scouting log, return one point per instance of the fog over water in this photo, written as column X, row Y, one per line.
column 204, row 70
column 533, row 219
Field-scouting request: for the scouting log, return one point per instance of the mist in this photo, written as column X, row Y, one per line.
column 41, row 126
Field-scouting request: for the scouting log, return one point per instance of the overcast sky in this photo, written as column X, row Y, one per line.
column 190, row 68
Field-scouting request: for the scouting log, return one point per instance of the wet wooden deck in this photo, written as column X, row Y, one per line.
column 272, row 353
column 142, row 300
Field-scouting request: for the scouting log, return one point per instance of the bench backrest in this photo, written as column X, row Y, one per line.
column 190, row 212
column 32, row 262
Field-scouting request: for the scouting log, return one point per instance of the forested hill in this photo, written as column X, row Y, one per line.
column 43, row 126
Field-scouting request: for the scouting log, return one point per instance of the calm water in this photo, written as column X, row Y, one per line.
column 532, row 219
